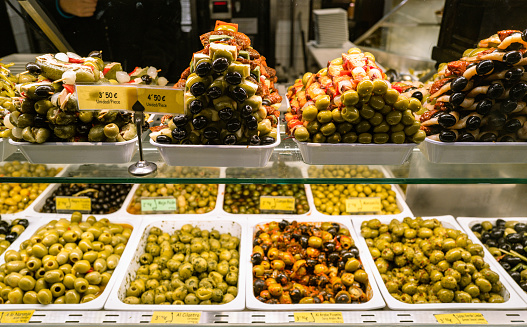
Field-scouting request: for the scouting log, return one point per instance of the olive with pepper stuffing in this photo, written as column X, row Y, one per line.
column 305, row 263
column 190, row 266
column 421, row 261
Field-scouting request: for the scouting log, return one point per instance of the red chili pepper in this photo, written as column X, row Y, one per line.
column 70, row 88
column 135, row 71
column 106, row 70
column 397, row 88
column 76, row 61
column 345, row 72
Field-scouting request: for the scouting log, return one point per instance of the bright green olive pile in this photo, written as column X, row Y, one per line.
column 64, row 262
column 191, row 266
column 420, row 261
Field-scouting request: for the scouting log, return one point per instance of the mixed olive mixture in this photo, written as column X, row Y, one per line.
column 191, row 266
column 421, row 261
column 307, row 263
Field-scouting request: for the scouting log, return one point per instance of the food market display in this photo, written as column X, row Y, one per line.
column 10, row 231
column 230, row 97
column 506, row 241
column 481, row 96
column 422, row 261
column 105, row 198
column 46, row 271
column 189, row 266
column 307, row 263
column 351, row 101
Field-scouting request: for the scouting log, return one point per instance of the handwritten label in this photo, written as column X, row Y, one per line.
column 162, row 317
column 461, row 318
column 16, row 317
column 158, row 204
column 355, row 205
column 100, row 97
column 161, row 100
column 320, row 317
column 69, row 204
column 277, row 203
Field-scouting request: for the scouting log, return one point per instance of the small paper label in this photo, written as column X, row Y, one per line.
column 167, row 317
column 161, row 100
column 328, row 317
column 355, row 205
column 69, row 204
column 461, row 318
column 277, row 203
column 158, row 204
column 16, row 317
column 100, row 97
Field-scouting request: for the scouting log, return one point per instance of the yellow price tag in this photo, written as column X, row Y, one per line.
column 461, row 318
column 100, row 97
column 277, row 203
column 167, row 317
column 161, row 100
column 16, row 317
column 66, row 204
column 328, row 317
column 354, row 205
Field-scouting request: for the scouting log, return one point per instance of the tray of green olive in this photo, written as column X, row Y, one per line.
column 430, row 264
column 503, row 239
column 308, row 263
column 182, row 266
column 66, row 263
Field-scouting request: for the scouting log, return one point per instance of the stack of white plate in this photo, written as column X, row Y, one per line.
column 331, row 27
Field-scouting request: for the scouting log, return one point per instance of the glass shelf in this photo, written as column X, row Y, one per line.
column 418, row 170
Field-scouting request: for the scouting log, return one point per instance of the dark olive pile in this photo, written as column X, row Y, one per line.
column 9, row 232
column 507, row 242
column 106, row 198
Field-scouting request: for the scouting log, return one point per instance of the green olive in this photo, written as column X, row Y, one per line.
column 301, row 134
column 350, row 114
column 350, row 98
column 324, row 116
column 322, row 102
column 309, row 113
column 365, row 88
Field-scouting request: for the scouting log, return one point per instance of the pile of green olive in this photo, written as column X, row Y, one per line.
column 191, row 266
column 344, row 171
column 307, row 263
column 64, row 262
column 245, row 198
column 421, row 261
column 9, row 232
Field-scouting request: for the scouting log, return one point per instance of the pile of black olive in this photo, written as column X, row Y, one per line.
column 507, row 242
column 9, row 232
column 105, row 198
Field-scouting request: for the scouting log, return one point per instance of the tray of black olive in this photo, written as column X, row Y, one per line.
column 505, row 239
column 307, row 264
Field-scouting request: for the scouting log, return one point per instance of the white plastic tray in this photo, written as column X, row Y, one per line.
column 6, row 148
column 474, row 152
column 217, row 155
column 375, row 301
column 468, row 222
column 78, row 152
column 512, row 300
column 97, row 303
column 354, row 153
column 235, row 227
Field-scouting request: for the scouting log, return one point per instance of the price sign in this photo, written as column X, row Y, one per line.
column 162, row 317
column 69, row 204
column 356, row 205
column 100, row 97
column 158, row 204
column 461, row 318
column 277, row 203
column 161, row 100
column 319, row 317
column 16, row 317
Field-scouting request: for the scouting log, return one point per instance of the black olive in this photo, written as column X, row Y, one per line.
column 513, row 238
column 333, row 231
column 466, row 137
column 303, row 241
column 457, row 98
column 329, row 246
column 203, row 68
column 501, row 241
column 513, row 261
column 418, row 95
column 180, row 120
column 496, row 233
column 512, row 57
column 484, row 107
column 312, row 281
column 239, row 94
column 514, row 74
column 473, row 123
column 256, row 258
column 458, row 84
column 492, row 243
column 512, row 126
column 95, row 54
column 283, row 224
column 516, row 276
column 518, row 91
column 253, row 76
column 518, row 247
column 316, row 299
column 233, row 78
column 44, row 91
column 505, row 246
column 266, row 102
column 343, row 298
column 355, row 251
column 214, row 92
column 485, row 236
column 146, row 78
column 447, row 136
column 508, row 106
column 3, row 230
column 225, row 114
column 500, row 223
column 211, row 133
column 337, row 287
column 447, row 120
column 266, row 140
column 233, row 125
column 484, row 67
column 341, row 265
column 251, row 123
column 347, row 255
column 282, row 278
column 496, row 120
column 295, row 295
column 520, row 227
column 199, row 122
column 505, row 265
column 39, row 121
column 495, row 90
column 322, row 281
column 198, row 89
column 11, row 237
column 196, row 106
column 179, row 133
column 246, row 111
column 259, row 286
column 34, row 68
column 311, row 263
column 254, row 140
column 230, row 139
column 163, row 139
column 333, row 257
column 523, row 285
column 220, row 64
column 507, row 138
